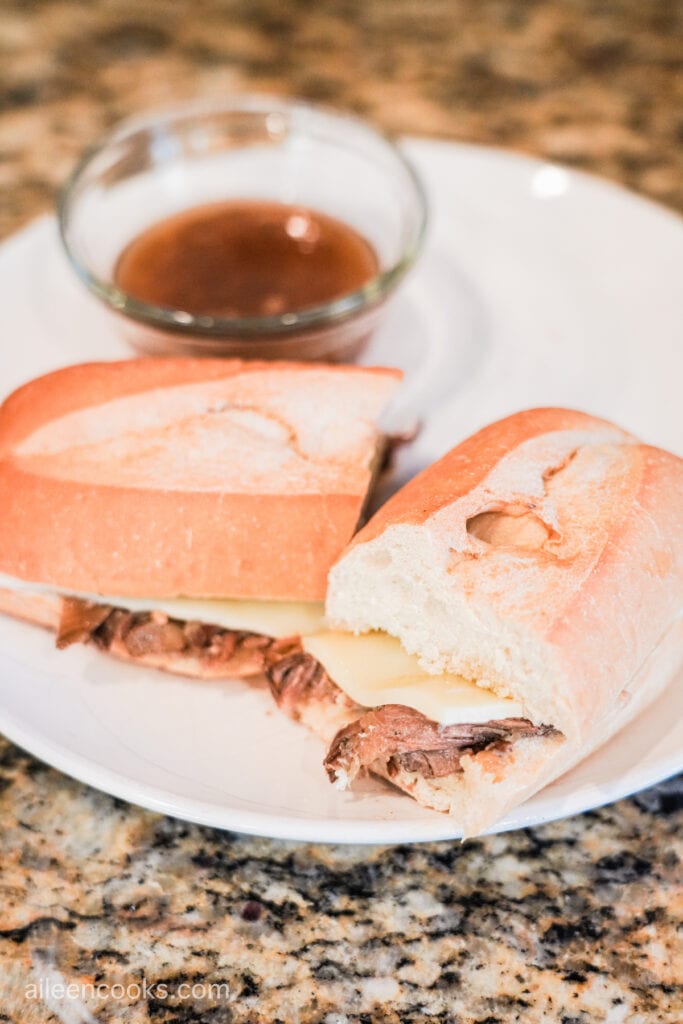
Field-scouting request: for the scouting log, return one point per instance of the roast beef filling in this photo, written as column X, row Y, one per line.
column 155, row 638
column 298, row 681
column 397, row 736
column 403, row 738
column 393, row 734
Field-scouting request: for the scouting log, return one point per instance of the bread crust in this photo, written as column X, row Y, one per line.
column 464, row 467
column 88, row 384
column 135, row 541
column 112, row 540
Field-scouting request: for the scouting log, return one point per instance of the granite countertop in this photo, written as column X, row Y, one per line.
column 573, row 922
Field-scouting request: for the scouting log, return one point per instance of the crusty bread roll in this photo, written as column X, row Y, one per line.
column 192, row 477
column 543, row 559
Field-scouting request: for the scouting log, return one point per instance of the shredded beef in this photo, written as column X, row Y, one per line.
column 155, row 637
column 400, row 737
column 79, row 620
column 114, row 628
column 403, row 738
column 151, row 635
column 430, row 764
column 299, row 680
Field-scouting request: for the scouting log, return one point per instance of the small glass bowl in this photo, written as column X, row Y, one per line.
column 249, row 147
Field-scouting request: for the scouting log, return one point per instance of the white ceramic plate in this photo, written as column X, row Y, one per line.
column 538, row 286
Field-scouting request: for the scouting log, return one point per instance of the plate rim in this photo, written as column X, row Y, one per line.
column 337, row 830
column 346, row 831
column 498, row 153
column 522, row 158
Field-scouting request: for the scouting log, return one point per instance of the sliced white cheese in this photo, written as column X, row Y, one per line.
column 272, row 618
column 374, row 669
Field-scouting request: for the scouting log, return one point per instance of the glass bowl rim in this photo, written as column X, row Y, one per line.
column 309, row 318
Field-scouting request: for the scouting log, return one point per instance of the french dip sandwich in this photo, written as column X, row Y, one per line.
column 500, row 617
column 184, row 513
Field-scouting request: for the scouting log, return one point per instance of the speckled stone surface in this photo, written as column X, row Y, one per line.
column 593, row 83
column 575, row 922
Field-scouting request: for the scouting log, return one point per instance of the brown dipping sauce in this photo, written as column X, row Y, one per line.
column 245, row 257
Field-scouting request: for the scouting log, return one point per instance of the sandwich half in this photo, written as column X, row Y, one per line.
column 500, row 617
column 184, row 513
